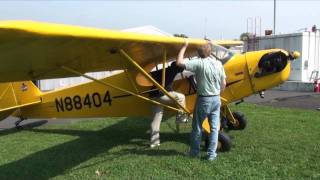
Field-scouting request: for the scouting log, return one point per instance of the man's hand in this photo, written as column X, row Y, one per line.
column 180, row 61
column 186, row 42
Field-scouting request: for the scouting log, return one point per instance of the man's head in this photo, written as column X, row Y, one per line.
column 205, row 50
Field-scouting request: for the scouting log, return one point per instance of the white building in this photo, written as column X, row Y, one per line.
column 51, row 84
column 307, row 67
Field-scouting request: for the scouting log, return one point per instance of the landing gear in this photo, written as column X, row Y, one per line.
column 17, row 123
column 229, row 121
column 240, row 123
column 232, row 120
column 224, row 142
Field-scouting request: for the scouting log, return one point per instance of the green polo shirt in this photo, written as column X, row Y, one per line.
column 209, row 74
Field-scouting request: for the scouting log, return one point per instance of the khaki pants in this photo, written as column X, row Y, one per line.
column 158, row 114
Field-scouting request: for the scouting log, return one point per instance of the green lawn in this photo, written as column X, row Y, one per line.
column 278, row 143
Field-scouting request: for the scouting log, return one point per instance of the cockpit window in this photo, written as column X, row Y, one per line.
column 159, row 66
column 221, row 53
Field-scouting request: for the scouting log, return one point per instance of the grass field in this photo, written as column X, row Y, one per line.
column 278, row 143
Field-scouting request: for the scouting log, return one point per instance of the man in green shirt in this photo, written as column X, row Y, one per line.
column 211, row 81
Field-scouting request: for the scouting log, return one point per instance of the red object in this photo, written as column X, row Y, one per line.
column 316, row 86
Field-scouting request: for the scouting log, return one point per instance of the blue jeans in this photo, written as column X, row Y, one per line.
column 205, row 107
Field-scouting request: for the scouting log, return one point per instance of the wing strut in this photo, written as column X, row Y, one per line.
column 129, row 77
column 118, row 88
column 135, row 64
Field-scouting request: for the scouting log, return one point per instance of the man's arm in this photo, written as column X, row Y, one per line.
column 180, row 58
column 223, row 80
column 223, row 86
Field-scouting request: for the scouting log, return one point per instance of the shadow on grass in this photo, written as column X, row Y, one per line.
column 59, row 159
column 30, row 125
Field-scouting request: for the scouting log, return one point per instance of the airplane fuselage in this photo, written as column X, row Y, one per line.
column 95, row 100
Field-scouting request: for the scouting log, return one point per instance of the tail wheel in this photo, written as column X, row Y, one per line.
column 241, row 121
column 224, row 142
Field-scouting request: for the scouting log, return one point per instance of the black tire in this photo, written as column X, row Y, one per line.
column 224, row 142
column 19, row 128
column 241, row 121
column 206, row 141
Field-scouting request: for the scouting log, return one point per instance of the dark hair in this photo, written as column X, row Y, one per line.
column 204, row 51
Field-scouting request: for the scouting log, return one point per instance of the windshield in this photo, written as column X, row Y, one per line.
column 221, row 53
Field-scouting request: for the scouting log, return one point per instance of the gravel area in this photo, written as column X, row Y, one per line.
column 299, row 100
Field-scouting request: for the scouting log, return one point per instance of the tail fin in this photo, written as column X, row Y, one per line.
column 14, row 95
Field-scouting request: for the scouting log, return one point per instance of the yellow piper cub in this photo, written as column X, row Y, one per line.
column 32, row 50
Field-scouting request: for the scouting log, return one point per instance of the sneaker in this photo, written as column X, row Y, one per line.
column 211, row 158
column 154, row 145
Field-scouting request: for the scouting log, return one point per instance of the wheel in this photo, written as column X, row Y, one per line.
column 224, row 142
column 206, row 141
column 241, row 122
column 19, row 127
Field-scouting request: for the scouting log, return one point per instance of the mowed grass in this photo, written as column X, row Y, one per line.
column 278, row 143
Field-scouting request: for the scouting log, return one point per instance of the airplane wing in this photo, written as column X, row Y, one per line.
column 33, row 50
column 228, row 43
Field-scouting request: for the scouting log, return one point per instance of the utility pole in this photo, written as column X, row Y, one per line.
column 274, row 16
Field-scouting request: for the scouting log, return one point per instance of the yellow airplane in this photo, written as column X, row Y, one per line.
column 33, row 50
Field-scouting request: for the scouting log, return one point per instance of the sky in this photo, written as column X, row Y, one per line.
column 212, row 18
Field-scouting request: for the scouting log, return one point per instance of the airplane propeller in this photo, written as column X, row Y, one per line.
column 294, row 55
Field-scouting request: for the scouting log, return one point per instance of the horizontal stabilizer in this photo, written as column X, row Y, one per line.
column 14, row 95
